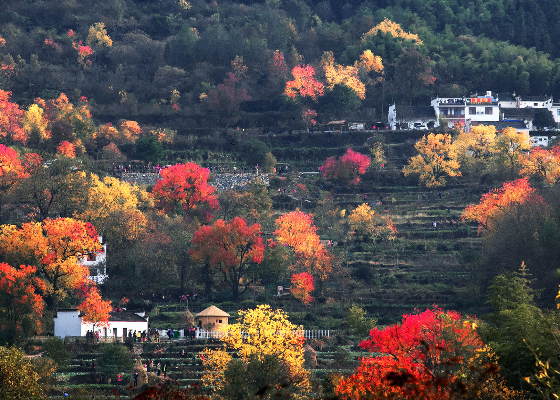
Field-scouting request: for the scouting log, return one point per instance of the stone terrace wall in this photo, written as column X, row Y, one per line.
column 220, row 181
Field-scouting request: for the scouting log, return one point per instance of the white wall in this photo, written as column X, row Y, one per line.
column 69, row 323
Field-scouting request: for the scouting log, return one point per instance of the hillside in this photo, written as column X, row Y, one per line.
column 165, row 63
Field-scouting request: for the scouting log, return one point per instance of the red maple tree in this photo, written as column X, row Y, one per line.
column 297, row 231
column 347, row 168
column 434, row 355
column 233, row 247
column 11, row 120
column 186, row 186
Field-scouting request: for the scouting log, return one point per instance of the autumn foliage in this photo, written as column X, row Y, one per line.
column 436, row 159
column 367, row 224
column 500, row 201
column 392, row 28
column 11, row 120
column 186, row 186
column 261, row 332
column 94, row 309
column 55, row 248
column 233, row 247
column 297, row 231
column 304, row 83
column 12, row 170
column 347, row 168
column 430, row 355
column 302, row 286
column 21, row 301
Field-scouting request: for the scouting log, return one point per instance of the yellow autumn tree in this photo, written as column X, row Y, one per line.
column 35, row 124
column 436, row 159
column 97, row 36
column 475, row 149
column 114, row 207
column 392, row 28
column 509, row 148
column 261, row 332
column 366, row 224
column 337, row 74
column 130, row 131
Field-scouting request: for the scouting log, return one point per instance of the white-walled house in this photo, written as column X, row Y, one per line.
column 412, row 117
column 535, row 102
column 467, row 111
column 68, row 322
column 97, row 264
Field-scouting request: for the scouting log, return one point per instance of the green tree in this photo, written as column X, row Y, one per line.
column 115, row 359
column 259, row 378
column 149, row 149
column 517, row 329
column 253, row 152
column 18, row 378
column 358, row 322
column 339, row 101
column 56, row 350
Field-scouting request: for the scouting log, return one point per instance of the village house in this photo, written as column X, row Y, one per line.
column 488, row 109
column 412, row 117
column 97, row 264
column 68, row 322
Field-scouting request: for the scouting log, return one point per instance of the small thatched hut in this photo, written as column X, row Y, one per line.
column 212, row 318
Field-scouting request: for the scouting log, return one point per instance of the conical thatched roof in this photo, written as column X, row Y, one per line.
column 212, row 311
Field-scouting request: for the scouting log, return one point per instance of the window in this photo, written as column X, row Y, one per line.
column 472, row 110
column 535, row 104
column 219, row 321
column 488, row 110
column 558, row 112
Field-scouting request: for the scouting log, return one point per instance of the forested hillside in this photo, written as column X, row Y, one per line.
column 169, row 59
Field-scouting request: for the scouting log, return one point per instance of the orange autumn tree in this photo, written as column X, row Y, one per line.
column 498, row 202
column 541, row 165
column 302, row 286
column 233, row 247
column 66, row 149
column 21, row 302
column 185, row 186
column 12, row 170
column 433, row 355
column 304, row 83
column 297, row 231
column 55, row 247
column 436, row 159
column 94, row 309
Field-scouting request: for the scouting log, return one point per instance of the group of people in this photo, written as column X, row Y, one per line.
column 91, row 335
column 138, row 336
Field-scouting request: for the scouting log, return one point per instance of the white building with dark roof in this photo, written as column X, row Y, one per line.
column 412, row 117
column 68, row 322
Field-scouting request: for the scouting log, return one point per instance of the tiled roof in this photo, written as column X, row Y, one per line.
column 406, row 112
column 128, row 316
column 518, row 113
